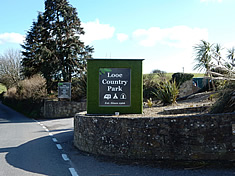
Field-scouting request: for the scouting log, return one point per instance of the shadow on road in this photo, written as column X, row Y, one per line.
column 37, row 156
column 8, row 115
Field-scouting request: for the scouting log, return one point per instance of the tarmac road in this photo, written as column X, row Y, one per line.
column 45, row 147
column 26, row 148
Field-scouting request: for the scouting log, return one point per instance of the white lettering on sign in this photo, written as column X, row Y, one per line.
column 114, row 89
column 117, row 75
column 105, row 81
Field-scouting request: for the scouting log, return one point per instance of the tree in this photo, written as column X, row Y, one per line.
column 53, row 46
column 217, row 53
column 208, row 57
column 33, row 58
column 203, row 57
column 161, row 74
column 231, row 55
column 10, row 68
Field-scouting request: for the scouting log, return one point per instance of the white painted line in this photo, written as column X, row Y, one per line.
column 65, row 157
column 41, row 124
column 46, row 129
column 54, row 139
column 59, row 146
column 50, row 134
column 73, row 172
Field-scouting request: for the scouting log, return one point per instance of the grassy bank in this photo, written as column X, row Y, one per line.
column 169, row 75
column 2, row 88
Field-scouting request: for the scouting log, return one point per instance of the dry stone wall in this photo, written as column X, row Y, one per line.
column 55, row 109
column 200, row 137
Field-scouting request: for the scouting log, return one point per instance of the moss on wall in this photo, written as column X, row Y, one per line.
column 136, row 85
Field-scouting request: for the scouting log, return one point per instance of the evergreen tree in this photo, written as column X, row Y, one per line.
column 53, row 46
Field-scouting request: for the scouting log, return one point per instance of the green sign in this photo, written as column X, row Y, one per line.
column 114, row 85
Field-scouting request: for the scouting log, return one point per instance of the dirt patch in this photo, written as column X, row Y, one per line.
column 205, row 99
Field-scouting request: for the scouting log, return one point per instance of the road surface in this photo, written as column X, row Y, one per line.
column 45, row 147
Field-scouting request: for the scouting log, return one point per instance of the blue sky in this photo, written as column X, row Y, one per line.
column 163, row 32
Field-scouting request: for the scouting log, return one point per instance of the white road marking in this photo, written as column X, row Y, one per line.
column 59, row 146
column 65, row 157
column 73, row 172
column 54, row 139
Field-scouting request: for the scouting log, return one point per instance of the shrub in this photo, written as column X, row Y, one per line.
column 180, row 78
column 33, row 88
column 167, row 92
column 149, row 86
column 226, row 103
column 27, row 96
column 161, row 74
column 79, row 88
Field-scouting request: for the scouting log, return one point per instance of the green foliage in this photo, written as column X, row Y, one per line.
column 226, row 102
column 53, row 47
column 79, row 88
column 150, row 85
column 208, row 57
column 161, row 74
column 167, row 92
column 2, row 88
column 180, row 78
column 27, row 97
column 203, row 55
column 33, row 88
column 104, row 70
column 150, row 102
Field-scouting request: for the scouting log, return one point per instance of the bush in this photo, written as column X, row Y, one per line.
column 149, row 86
column 167, row 92
column 226, row 103
column 180, row 78
column 79, row 88
column 27, row 97
column 33, row 88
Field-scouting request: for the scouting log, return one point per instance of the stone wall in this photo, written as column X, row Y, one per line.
column 55, row 109
column 200, row 137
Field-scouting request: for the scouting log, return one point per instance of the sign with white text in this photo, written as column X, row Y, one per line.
column 114, row 86
column 64, row 90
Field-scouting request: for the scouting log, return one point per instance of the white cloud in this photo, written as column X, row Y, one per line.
column 229, row 45
column 122, row 37
column 94, row 30
column 177, row 36
column 11, row 38
column 171, row 62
